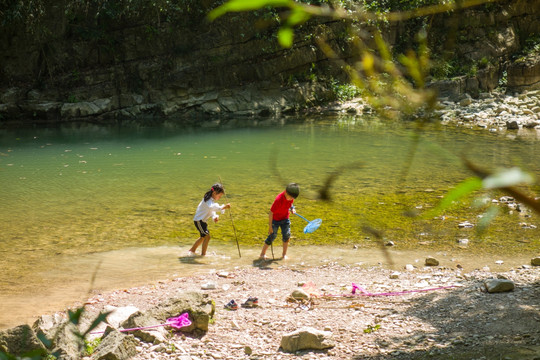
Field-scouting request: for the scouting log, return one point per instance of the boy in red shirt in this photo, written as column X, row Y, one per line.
column 279, row 218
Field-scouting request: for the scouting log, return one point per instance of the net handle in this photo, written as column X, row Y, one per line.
column 301, row 217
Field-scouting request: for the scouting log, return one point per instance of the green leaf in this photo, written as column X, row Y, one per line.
column 75, row 316
column 247, row 5
column 98, row 320
column 487, row 218
column 507, row 178
column 6, row 356
column 285, row 37
column 298, row 16
column 462, row 190
column 48, row 343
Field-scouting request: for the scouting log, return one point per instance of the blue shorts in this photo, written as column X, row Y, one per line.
column 285, row 226
column 202, row 227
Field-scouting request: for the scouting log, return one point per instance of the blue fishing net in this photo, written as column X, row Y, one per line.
column 312, row 226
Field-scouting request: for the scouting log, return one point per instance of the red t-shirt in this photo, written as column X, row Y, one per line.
column 280, row 207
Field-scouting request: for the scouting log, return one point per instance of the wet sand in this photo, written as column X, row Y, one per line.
column 70, row 281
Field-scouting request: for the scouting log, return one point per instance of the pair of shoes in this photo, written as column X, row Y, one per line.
column 263, row 258
column 231, row 305
column 191, row 254
column 251, row 302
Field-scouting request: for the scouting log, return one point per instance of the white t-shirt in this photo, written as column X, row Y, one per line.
column 207, row 209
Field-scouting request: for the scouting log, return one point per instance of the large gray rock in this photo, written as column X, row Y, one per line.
column 61, row 334
column 115, row 318
column 307, row 339
column 47, row 325
column 524, row 74
column 431, row 261
column 19, row 340
column 154, row 335
column 499, row 285
column 118, row 315
column 198, row 305
column 86, row 108
column 300, row 294
column 116, row 346
column 451, row 89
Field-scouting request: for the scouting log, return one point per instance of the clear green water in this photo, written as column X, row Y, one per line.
column 73, row 192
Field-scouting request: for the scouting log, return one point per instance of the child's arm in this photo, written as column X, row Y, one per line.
column 215, row 207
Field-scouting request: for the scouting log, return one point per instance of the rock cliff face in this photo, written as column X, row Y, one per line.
column 190, row 70
column 524, row 74
column 489, row 39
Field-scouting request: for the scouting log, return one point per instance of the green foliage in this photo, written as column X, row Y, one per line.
column 243, row 5
column 345, row 92
column 483, row 63
column 72, row 99
column 449, row 68
column 532, row 44
column 531, row 47
column 370, row 328
column 212, row 312
column 384, row 6
column 296, row 17
column 90, row 346
column 26, row 13
column 308, row 75
column 444, row 69
column 503, row 80
column 93, row 18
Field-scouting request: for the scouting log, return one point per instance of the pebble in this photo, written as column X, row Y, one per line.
column 208, row 286
column 409, row 267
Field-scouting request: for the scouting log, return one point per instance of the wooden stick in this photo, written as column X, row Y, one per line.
column 232, row 222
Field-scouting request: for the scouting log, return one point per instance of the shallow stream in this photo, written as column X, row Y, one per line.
column 118, row 203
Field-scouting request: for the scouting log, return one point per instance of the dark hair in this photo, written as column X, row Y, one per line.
column 217, row 188
column 293, row 190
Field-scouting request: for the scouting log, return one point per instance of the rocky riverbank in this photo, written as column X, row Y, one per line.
column 461, row 322
column 425, row 312
column 497, row 111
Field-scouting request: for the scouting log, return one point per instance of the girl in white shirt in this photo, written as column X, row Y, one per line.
column 207, row 209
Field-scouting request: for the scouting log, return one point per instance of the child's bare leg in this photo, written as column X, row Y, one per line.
column 205, row 245
column 285, row 247
column 263, row 251
column 196, row 245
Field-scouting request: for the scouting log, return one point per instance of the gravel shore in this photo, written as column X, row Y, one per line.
column 462, row 322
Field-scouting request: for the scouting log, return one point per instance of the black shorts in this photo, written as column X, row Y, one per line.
column 202, row 228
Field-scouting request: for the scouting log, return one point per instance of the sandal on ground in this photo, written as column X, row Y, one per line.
column 231, row 305
column 251, row 302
